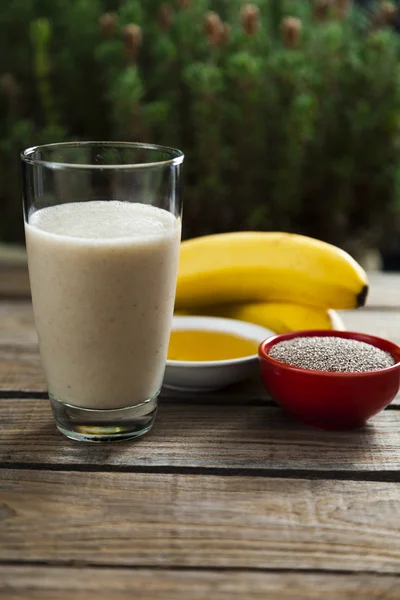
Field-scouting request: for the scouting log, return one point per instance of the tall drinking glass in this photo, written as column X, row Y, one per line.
column 103, row 227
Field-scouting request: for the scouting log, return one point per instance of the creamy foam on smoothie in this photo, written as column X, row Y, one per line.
column 103, row 278
column 101, row 221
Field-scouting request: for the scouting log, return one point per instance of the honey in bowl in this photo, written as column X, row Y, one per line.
column 202, row 345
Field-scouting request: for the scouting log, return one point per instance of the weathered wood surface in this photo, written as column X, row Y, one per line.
column 199, row 521
column 55, row 583
column 20, row 367
column 226, row 497
column 215, row 436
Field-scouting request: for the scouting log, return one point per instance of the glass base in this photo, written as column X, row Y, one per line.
column 116, row 425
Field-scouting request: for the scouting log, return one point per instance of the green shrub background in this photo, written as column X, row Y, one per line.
column 286, row 124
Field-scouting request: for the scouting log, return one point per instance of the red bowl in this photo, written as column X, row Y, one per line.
column 327, row 400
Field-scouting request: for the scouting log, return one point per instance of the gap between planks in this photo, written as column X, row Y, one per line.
column 217, row 400
column 47, row 583
column 207, row 439
column 82, row 564
column 199, row 471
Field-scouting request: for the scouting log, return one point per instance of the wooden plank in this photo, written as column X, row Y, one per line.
column 16, row 324
column 57, row 583
column 384, row 290
column 383, row 323
column 20, row 367
column 199, row 521
column 14, row 281
column 221, row 437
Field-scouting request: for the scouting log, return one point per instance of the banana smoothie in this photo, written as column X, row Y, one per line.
column 103, row 278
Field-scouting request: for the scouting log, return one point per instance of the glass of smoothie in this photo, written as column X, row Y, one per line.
column 103, row 228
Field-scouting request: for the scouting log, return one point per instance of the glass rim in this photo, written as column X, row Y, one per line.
column 177, row 156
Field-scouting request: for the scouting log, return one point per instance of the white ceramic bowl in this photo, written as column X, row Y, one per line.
column 214, row 375
column 206, row 376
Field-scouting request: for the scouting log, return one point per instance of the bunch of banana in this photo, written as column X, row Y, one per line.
column 283, row 281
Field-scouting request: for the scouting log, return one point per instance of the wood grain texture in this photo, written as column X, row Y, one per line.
column 165, row 508
column 55, row 583
column 221, row 437
column 20, row 367
column 199, row 521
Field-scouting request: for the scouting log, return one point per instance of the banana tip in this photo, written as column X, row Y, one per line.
column 362, row 296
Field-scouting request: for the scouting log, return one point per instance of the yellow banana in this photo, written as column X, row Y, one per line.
column 280, row 317
column 268, row 267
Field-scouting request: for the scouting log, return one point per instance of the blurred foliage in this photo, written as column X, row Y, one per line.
column 288, row 111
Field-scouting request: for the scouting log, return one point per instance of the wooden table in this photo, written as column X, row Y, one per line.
column 226, row 498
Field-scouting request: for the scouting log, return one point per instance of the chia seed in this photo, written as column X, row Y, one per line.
column 334, row 354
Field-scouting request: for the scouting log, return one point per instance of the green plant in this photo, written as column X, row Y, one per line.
column 288, row 112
